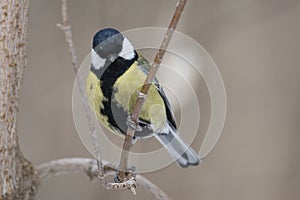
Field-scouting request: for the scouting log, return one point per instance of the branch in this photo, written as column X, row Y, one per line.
column 66, row 28
column 89, row 166
column 68, row 34
column 144, row 91
column 70, row 165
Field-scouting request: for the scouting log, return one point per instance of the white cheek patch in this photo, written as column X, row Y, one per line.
column 96, row 60
column 127, row 51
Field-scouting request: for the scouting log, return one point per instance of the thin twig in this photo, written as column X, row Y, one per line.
column 89, row 166
column 66, row 28
column 129, row 184
column 143, row 93
column 70, row 165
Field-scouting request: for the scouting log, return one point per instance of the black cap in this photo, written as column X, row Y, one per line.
column 108, row 41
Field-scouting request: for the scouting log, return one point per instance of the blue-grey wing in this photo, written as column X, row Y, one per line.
column 145, row 66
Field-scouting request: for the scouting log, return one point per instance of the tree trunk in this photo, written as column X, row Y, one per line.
column 17, row 175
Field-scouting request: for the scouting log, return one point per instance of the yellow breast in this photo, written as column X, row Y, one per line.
column 126, row 88
column 95, row 98
column 125, row 96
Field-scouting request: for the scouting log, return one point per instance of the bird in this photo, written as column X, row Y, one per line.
column 117, row 73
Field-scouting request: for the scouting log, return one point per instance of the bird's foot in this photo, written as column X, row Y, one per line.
column 133, row 125
column 130, row 172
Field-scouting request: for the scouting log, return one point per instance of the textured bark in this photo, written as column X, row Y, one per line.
column 17, row 175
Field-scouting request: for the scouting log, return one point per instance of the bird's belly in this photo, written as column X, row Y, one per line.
column 125, row 96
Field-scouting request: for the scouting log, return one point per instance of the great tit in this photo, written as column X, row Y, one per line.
column 116, row 74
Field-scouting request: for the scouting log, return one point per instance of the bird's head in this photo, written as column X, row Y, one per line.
column 109, row 43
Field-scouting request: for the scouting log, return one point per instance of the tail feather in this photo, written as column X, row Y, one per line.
column 183, row 154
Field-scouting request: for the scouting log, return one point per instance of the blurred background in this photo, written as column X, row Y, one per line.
column 255, row 44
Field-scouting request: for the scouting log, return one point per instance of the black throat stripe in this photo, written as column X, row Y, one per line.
column 108, row 76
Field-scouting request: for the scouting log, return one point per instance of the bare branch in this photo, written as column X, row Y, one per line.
column 70, row 165
column 66, row 28
column 152, row 188
column 89, row 166
column 143, row 93
column 68, row 34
